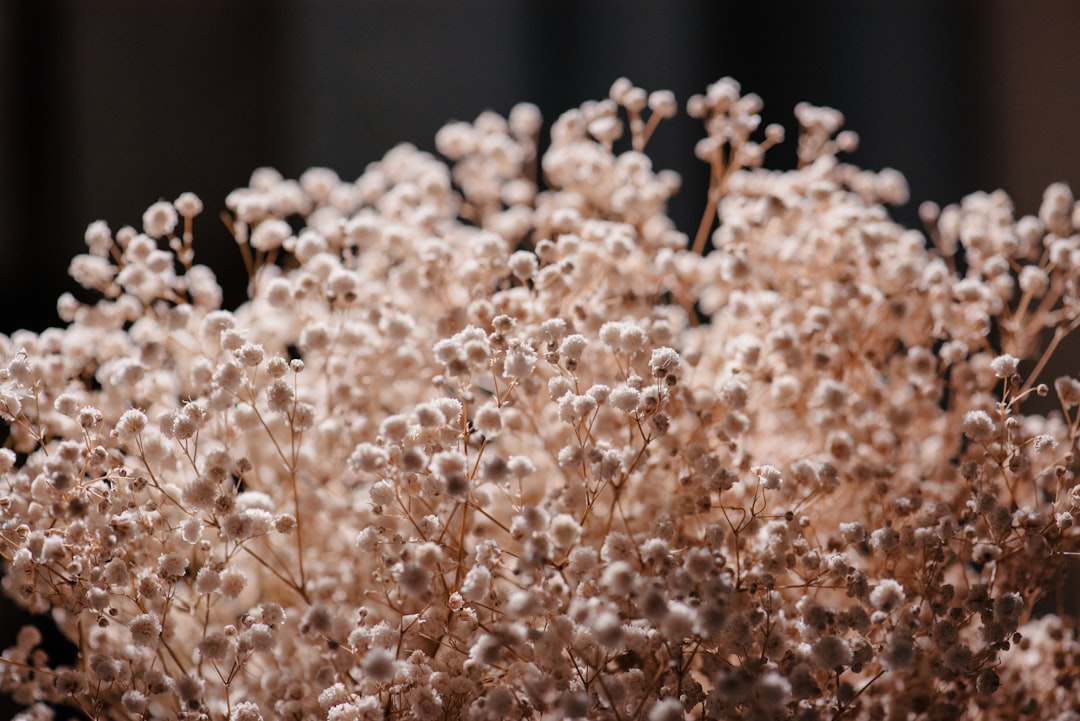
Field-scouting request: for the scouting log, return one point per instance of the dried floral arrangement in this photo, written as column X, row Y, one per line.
column 478, row 449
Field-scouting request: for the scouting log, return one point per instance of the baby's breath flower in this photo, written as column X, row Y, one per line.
column 453, row 442
column 302, row 417
column 520, row 466
column 98, row 238
column 131, row 424
column 519, row 362
column 394, row 428
column 625, row 398
column 10, row 405
column 7, row 460
column 769, row 477
column 207, row 580
column 214, row 646
column 145, row 629
column 1005, row 366
column 565, row 530
column 428, row 416
column 978, row 425
column 379, row 665
column 523, row 265
column 133, row 701
column 450, row 466
column 237, row 526
column 831, row 652
column 159, row 219
column 70, row 682
column 488, row 420
column 270, row 235
column 233, row 581
column 1068, row 390
column 450, row 409
column 664, row 361
column 279, row 293
column 367, row 457
column 887, row 595
column 188, row 205
column 199, row 495
column 172, row 565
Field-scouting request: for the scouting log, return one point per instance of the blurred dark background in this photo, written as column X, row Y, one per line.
column 106, row 107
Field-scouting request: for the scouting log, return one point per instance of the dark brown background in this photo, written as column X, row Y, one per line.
column 108, row 106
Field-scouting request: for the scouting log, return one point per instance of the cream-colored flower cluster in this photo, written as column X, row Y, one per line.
column 482, row 448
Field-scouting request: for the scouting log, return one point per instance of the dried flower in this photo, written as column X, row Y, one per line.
column 145, row 629
column 480, row 447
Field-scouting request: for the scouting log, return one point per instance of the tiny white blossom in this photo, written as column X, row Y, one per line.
column 145, row 629
column 1005, row 366
column 159, row 219
column 978, row 425
column 887, row 595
